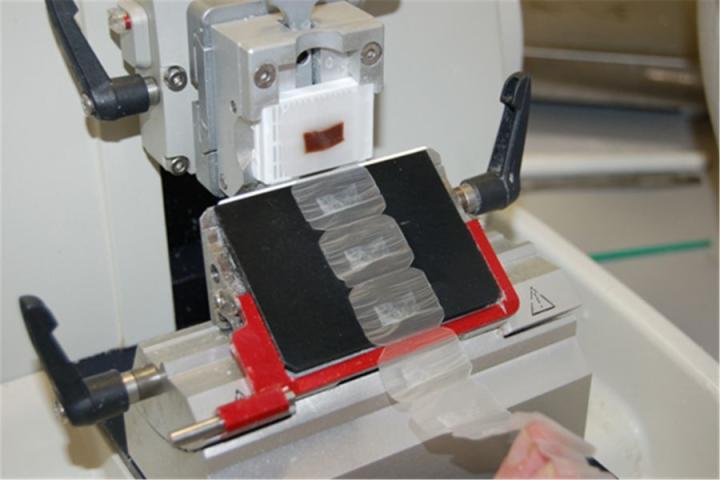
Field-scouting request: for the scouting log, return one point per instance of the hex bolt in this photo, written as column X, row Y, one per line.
column 371, row 53
column 179, row 165
column 175, row 78
column 264, row 76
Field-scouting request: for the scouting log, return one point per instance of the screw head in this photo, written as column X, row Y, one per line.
column 371, row 53
column 264, row 76
column 87, row 104
column 119, row 20
column 179, row 165
column 176, row 78
column 220, row 300
column 226, row 303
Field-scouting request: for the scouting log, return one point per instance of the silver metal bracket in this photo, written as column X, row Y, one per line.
column 224, row 284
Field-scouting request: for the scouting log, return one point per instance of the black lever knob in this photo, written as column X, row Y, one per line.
column 500, row 185
column 84, row 400
column 102, row 97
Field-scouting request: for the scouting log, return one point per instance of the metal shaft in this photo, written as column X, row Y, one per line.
column 143, row 382
column 197, row 431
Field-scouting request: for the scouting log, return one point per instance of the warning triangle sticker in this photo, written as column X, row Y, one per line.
column 539, row 303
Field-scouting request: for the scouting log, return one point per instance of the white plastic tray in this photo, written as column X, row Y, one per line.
column 654, row 397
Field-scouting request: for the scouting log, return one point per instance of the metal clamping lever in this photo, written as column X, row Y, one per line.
column 84, row 400
column 500, row 185
column 102, row 97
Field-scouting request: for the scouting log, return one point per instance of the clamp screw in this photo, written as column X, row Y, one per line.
column 176, row 78
column 265, row 76
column 371, row 53
column 179, row 165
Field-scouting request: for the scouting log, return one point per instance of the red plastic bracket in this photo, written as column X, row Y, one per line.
column 272, row 387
